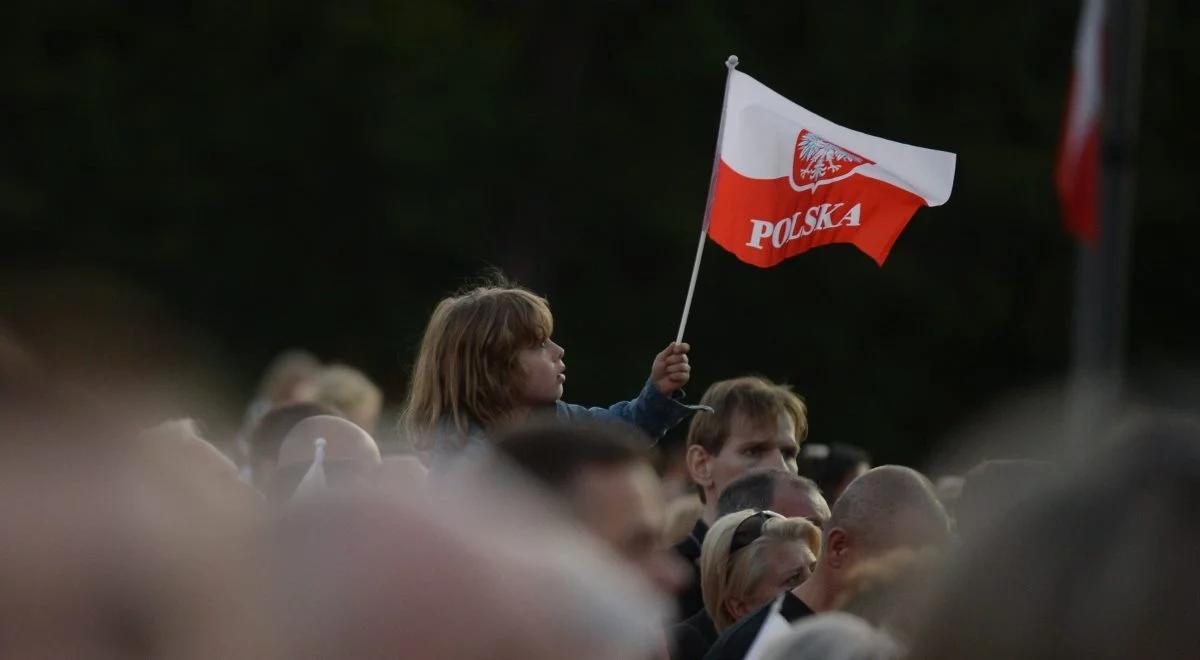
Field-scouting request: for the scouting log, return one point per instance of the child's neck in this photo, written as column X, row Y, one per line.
column 519, row 415
column 523, row 412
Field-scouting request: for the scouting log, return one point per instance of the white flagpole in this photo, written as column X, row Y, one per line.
column 730, row 65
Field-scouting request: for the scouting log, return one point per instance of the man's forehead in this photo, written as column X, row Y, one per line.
column 621, row 487
column 745, row 428
column 800, row 500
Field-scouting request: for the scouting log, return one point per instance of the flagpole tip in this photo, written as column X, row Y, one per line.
column 732, row 62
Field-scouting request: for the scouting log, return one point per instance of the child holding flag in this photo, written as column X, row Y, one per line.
column 487, row 361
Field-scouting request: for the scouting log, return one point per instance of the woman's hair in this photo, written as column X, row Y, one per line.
column 722, row 577
column 467, row 370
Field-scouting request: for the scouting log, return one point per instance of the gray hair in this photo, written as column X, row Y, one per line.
column 756, row 490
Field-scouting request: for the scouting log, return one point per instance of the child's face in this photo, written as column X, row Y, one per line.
column 543, row 370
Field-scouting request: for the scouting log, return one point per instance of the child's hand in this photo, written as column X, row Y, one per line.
column 671, row 370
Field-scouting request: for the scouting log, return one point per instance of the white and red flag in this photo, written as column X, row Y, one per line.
column 788, row 181
column 1077, row 172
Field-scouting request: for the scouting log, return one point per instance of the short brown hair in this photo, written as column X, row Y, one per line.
column 556, row 454
column 757, row 398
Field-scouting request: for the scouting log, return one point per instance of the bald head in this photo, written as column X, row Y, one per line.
column 351, row 455
column 344, row 441
column 890, row 507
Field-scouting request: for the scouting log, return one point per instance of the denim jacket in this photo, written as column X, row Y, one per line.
column 650, row 411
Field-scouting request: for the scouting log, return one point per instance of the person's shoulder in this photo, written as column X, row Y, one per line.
column 689, row 547
column 687, row 641
column 703, row 625
column 735, row 641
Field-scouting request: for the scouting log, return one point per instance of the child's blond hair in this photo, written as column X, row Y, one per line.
column 467, row 371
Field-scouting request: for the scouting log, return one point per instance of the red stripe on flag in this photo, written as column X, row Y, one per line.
column 1077, row 170
column 1076, row 177
column 764, row 221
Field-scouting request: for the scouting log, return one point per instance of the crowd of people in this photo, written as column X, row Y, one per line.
column 494, row 520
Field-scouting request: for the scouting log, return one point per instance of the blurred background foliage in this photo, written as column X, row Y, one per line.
column 319, row 174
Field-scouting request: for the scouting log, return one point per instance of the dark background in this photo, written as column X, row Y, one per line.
column 319, row 174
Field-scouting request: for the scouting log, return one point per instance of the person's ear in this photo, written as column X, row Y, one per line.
column 837, row 548
column 699, row 464
column 735, row 608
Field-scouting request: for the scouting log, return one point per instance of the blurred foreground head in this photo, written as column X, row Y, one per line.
column 995, row 487
column 1104, row 566
column 118, row 545
column 175, row 449
column 603, row 474
column 489, row 571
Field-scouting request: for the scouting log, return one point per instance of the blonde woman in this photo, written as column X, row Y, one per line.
column 747, row 559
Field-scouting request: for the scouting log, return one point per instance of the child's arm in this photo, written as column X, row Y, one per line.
column 656, row 409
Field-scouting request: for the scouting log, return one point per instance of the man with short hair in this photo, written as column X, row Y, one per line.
column 604, row 475
column 887, row 508
column 755, row 424
column 787, row 494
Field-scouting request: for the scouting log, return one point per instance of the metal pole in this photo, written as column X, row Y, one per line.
column 1101, row 283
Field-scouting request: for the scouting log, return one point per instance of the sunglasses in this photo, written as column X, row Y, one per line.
column 749, row 530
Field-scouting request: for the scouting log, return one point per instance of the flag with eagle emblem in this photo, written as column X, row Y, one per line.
column 788, row 180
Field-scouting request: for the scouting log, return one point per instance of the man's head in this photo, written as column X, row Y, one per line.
column 351, row 455
column 993, row 488
column 604, row 475
column 755, row 424
column 886, row 508
column 787, row 494
column 266, row 436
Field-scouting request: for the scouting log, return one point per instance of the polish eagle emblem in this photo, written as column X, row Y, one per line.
column 818, row 159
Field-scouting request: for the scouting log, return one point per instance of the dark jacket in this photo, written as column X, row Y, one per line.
column 691, row 599
column 691, row 639
column 736, row 640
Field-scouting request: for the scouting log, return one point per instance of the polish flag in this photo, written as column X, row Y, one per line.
column 788, row 180
column 1077, row 173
